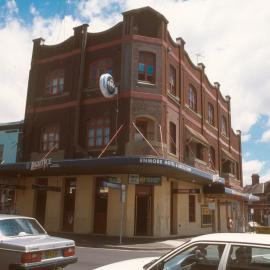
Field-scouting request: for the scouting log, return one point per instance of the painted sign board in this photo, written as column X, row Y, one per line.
column 186, row 191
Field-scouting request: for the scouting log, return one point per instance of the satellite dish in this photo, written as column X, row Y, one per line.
column 107, row 86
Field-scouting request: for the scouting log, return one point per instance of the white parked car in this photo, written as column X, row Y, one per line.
column 24, row 244
column 220, row 251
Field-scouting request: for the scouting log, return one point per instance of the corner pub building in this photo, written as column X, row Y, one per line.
column 171, row 151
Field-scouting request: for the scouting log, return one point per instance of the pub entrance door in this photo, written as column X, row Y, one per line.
column 143, row 210
column 101, row 206
column 69, row 204
column 41, row 199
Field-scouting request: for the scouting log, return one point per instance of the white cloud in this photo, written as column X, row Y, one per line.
column 245, row 137
column 16, row 52
column 265, row 176
column 265, row 136
column 33, row 10
column 231, row 36
column 250, row 167
column 12, row 7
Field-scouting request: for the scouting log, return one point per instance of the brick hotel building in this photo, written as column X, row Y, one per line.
column 175, row 151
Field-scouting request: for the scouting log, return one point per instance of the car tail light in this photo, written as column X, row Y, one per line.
column 69, row 252
column 31, row 257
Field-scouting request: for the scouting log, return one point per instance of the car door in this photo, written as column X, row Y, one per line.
column 195, row 256
column 248, row 257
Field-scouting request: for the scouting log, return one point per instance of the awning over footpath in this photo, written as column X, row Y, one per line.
column 110, row 165
column 245, row 196
column 217, row 188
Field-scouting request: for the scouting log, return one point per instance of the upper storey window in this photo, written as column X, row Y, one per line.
column 50, row 138
column 98, row 68
column 98, row 133
column 192, row 98
column 147, row 67
column 55, row 83
column 172, row 138
column 172, row 80
column 224, row 127
column 211, row 114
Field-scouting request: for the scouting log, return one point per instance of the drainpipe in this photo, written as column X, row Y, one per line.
column 80, row 33
column 181, row 46
column 217, row 85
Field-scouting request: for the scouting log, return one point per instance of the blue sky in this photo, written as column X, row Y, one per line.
column 230, row 37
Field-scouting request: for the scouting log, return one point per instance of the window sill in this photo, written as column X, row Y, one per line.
column 197, row 114
column 49, row 97
column 173, row 97
column 212, row 126
column 146, row 83
column 224, row 136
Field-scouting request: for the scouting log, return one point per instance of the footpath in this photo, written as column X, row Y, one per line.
column 112, row 242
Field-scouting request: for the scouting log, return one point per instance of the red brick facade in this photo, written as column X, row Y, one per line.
column 140, row 102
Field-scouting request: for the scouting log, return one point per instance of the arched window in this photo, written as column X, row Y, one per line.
column 223, row 126
column 211, row 114
column 172, row 80
column 192, row 98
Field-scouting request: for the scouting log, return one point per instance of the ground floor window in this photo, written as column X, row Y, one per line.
column 206, row 216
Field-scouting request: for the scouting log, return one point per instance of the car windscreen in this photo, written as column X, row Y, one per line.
column 20, row 227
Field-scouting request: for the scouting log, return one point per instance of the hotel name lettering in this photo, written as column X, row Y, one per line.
column 169, row 163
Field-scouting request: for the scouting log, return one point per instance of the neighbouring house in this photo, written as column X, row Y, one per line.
column 259, row 211
column 10, row 152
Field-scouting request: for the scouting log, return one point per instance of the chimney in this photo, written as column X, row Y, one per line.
column 255, row 179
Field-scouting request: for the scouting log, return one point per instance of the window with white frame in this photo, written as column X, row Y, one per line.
column 192, row 98
column 224, row 127
column 98, row 132
column 50, row 138
column 211, row 114
column 172, row 81
column 55, row 83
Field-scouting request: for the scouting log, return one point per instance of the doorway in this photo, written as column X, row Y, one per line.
column 143, row 210
column 41, row 199
column 101, row 206
column 69, row 204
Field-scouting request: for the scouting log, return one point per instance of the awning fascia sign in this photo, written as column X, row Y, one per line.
column 114, row 165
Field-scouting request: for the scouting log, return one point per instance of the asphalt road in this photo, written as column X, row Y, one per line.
column 90, row 258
